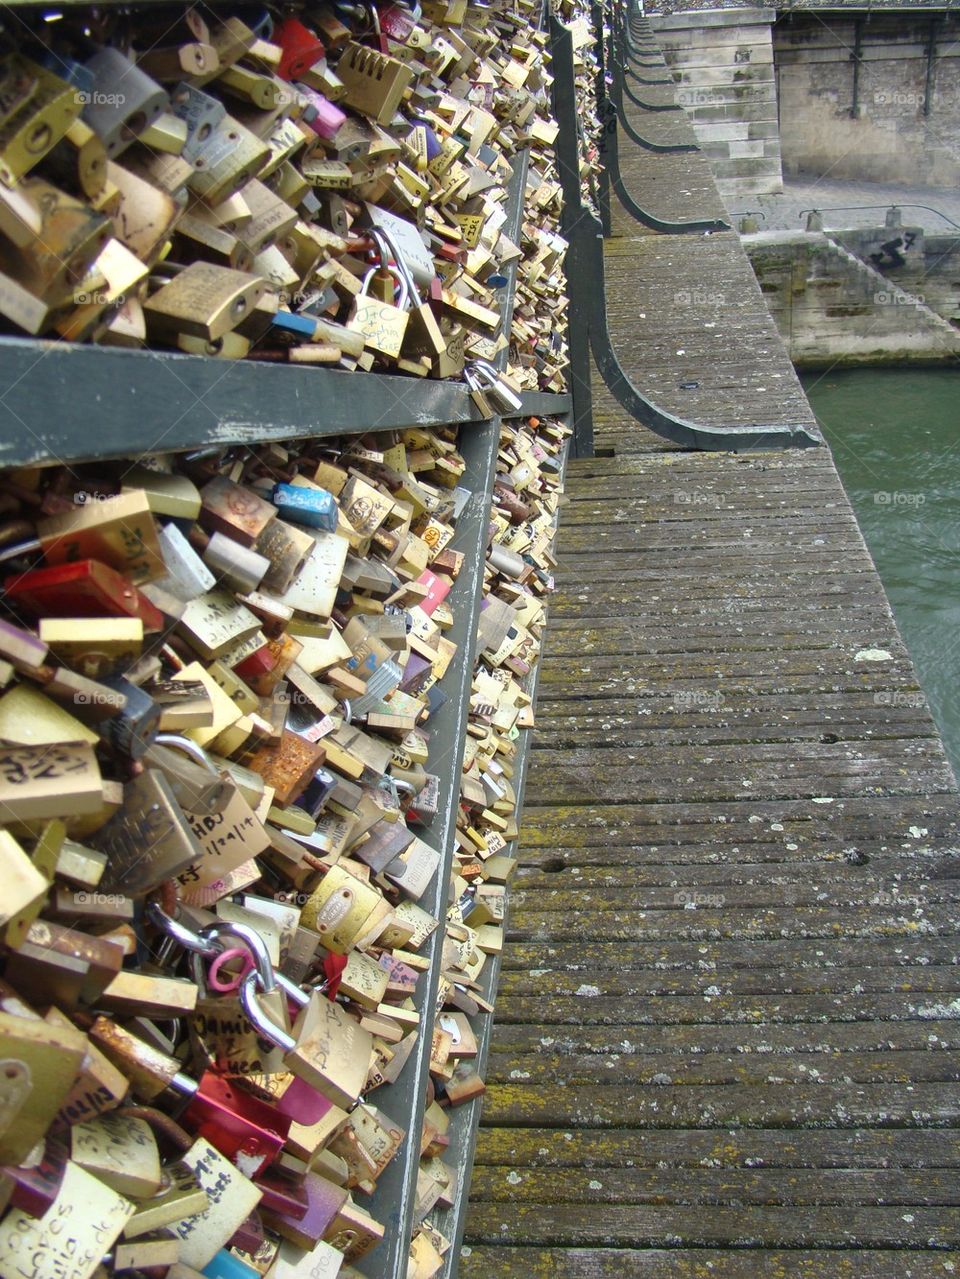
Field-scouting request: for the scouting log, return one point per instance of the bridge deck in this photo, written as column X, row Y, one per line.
column 726, row 1037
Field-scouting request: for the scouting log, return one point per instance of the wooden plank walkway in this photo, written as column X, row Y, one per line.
column 727, row 1034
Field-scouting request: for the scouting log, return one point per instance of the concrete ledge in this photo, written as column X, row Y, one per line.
column 712, row 18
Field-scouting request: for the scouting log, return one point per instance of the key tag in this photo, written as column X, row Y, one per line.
column 381, row 324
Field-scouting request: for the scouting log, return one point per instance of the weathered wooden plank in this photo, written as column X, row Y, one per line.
column 556, row 983
column 724, row 1068
column 625, row 868
column 833, row 820
column 809, row 922
column 732, row 1188
column 705, row 1148
column 506, row 1262
column 706, row 957
column 608, row 1010
column 680, row 1040
column 921, row 1105
column 648, row 1226
column 855, row 777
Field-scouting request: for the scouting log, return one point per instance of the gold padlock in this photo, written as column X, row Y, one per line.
column 36, row 110
column 381, row 324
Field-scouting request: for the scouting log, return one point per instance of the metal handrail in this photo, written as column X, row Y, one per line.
column 588, row 325
column 856, row 208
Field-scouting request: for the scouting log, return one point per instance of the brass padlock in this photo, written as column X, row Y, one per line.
column 328, row 1049
column 423, row 335
column 382, row 324
column 36, row 110
column 204, row 300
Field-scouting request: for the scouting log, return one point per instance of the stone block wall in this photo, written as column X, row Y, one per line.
column 722, row 60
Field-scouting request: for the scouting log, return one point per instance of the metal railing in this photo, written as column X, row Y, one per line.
column 889, row 208
column 588, row 327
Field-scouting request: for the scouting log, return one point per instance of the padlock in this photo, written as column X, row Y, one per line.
column 478, row 394
column 37, row 109
column 375, row 82
column 84, row 589
column 423, row 335
column 69, row 238
column 504, row 399
column 123, row 102
column 327, row 1048
column 231, row 156
column 301, row 48
column 98, row 1213
column 201, row 113
column 221, row 1024
column 43, row 1060
column 382, row 324
column 149, row 840
column 231, row 1196
column 203, row 300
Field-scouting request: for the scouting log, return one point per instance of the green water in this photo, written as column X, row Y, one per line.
column 895, row 435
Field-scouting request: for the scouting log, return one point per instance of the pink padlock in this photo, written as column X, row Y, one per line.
column 325, row 119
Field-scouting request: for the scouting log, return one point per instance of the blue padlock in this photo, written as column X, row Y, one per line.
column 314, row 507
column 225, row 1265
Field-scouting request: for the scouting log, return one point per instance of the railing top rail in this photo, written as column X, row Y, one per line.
column 855, row 208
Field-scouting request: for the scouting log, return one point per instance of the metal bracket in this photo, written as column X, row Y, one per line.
column 662, row 148
column 650, row 106
column 640, row 80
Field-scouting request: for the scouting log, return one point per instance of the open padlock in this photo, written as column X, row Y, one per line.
column 478, row 393
column 495, row 388
column 381, row 324
column 328, row 1049
column 423, row 336
column 220, row 1025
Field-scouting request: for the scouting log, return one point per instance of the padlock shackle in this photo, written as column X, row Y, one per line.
column 382, row 236
column 183, row 936
column 191, row 748
column 263, row 970
column 401, row 302
column 259, row 1019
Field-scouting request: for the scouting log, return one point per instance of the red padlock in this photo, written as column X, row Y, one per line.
column 84, row 589
column 301, row 48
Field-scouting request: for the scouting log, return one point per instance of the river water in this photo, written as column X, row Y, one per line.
column 895, row 435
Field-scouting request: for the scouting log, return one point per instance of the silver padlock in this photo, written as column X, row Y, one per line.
column 498, row 391
column 478, row 394
column 123, row 101
column 200, row 112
